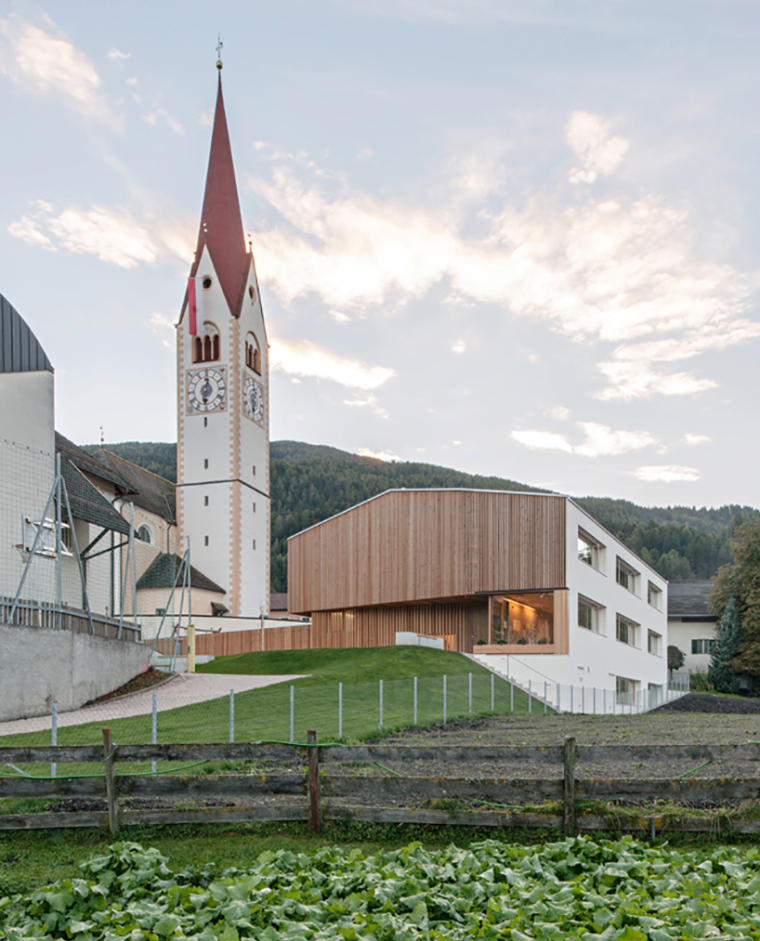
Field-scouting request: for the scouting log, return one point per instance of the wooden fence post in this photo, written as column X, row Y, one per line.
column 571, row 755
column 108, row 762
column 316, row 821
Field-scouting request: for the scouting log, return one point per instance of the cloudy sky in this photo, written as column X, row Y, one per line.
column 514, row 238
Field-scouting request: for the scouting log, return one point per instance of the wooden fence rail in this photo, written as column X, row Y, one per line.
column 322, row 790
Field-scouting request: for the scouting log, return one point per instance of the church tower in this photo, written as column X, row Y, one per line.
column 223, row 397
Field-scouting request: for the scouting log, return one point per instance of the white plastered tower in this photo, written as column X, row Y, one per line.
column 223, row 399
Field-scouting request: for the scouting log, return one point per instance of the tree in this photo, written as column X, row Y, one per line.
column 676, row 658
column 723, row 664
column 739, row 583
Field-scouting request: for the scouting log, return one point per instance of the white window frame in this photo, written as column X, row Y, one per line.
column 656, row 591
column 597, row 611
column 657, row 638
column 624, row 570
column 707, row 642
column 621, row 621
column 595, row 558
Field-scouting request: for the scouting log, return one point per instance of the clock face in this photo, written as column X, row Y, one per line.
column 206, row 390
column 253, row 400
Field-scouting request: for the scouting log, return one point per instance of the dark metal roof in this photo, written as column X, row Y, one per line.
column 162, row 573
column 20, row 350
column 278, row 601
column 90, row 464
column 87, row 503
column 149, row 491
column 690, row 599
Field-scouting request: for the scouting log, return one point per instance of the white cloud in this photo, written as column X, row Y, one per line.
column 339, row 317
column 542, row 441
column 377, row 455
column 114, row 236
column 44, row 63
column 560, row 413
column 161, row 114
column 667, row 473
column 599, row 441
column 692, row 439
column 161, row 324
column 599, row 152
column 368, row 401
column 459, row 347
column 116, row 55
column 302, row 358
column 613, row 271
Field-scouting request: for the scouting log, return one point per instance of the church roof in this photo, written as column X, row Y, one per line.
column 144, row 488
column 163, row 570
column 20, row 350
column 88, row 503
column 221, row 229
column 89, row 463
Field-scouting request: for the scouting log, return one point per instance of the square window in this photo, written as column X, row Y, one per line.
column 654, row 596
column 626, row 631
column 703, row 645
column 625, row 691
column 590, row 615
column 627, row 576
column 590, row 550
column 654, row 643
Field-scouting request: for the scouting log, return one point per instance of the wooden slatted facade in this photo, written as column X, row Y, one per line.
column 418, row 545
column 425, row 561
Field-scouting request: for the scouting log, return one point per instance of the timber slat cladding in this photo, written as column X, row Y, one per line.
column 409, row 546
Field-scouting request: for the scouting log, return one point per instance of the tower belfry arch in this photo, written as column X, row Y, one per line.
column 222, row 401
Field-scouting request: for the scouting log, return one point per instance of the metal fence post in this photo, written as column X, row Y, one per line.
column 54, row 736
column 154, row 729
column 292, row 714
column 572, row 696
column 559, row 689
column 381, row 704
column 470, row 692
column 444, row 699
column 492, row 694
column 415, row 700
column 340, row 710
column 530, row 696
column 583, row 700
column 232, row 715
column 546, row 696
column 511, row 694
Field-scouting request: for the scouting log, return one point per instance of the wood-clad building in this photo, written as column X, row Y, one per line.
column 441, row 563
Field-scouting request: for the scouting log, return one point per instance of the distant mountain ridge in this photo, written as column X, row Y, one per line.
column 310, row 483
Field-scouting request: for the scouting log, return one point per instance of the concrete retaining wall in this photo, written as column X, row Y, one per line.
column 38, row 667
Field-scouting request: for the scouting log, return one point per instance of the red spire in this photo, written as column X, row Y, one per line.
column 221, row 229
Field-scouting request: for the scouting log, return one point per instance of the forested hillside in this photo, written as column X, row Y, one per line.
column 312, row 482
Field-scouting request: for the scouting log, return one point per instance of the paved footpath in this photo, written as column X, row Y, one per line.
column 182, row 690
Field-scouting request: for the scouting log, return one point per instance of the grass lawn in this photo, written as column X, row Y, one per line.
column 265, row 714
column 353, row 665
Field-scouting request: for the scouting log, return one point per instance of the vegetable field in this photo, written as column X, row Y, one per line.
column 575, row 888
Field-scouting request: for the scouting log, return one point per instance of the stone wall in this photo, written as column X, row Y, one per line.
column 39, row 667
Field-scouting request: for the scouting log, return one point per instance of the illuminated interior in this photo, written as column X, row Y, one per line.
column 526, row 619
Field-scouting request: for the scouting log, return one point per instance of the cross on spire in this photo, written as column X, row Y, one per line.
column 219, row 46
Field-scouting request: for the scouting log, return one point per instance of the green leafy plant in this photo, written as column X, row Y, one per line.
column 581, row 888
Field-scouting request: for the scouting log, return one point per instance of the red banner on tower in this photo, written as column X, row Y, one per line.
column 192, row 310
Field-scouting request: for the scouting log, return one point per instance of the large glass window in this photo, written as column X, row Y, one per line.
column 626, row 631
column 525, row 619
column 590, row 550
column 590, row 615
column 625, row 691
column 654, row 596
column 627, row 576
column 654, row 643
column 703, row 645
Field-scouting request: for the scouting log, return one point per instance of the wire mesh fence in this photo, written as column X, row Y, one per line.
column 285, row 712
